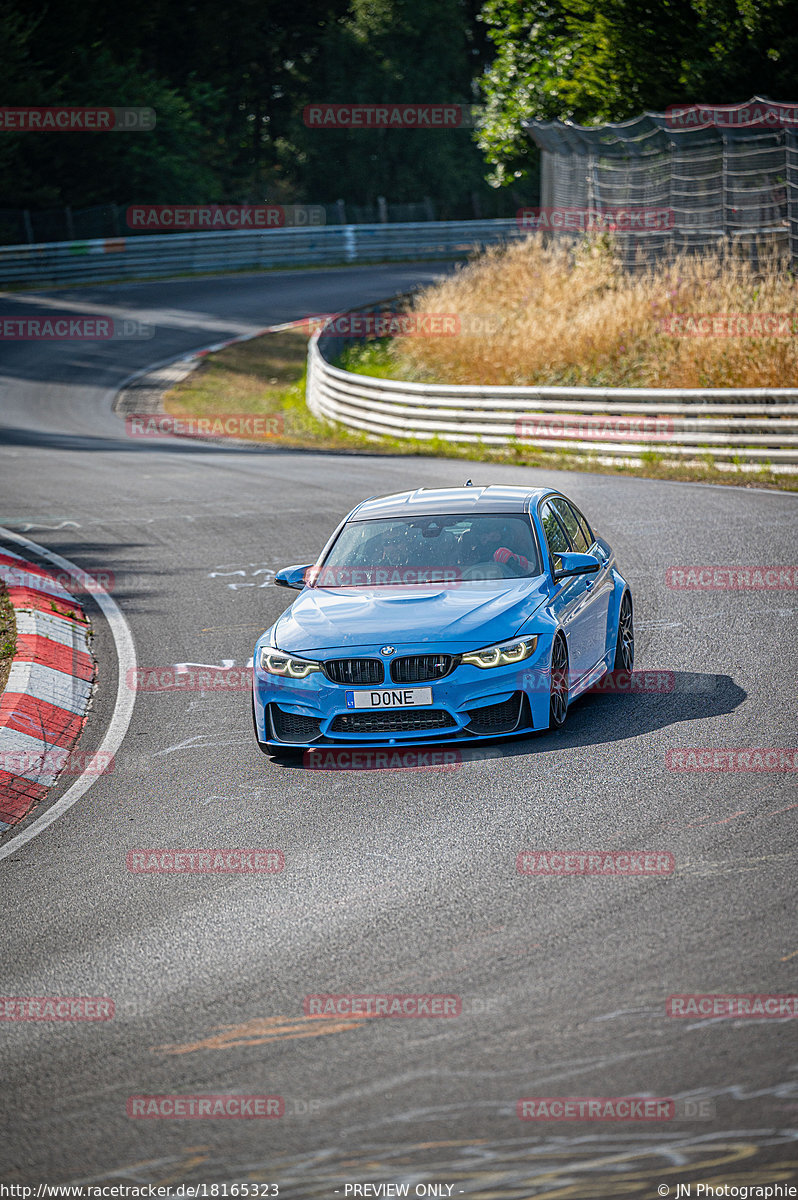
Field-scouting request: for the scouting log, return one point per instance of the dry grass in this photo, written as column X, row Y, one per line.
column 575, row 317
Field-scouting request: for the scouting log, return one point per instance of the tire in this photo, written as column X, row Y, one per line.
column 625, row 641
column 558, row 691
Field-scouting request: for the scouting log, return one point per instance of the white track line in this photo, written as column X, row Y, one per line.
column 125, row 697
column 189, row 355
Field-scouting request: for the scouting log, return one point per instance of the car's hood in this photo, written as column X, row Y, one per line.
column 478, row 613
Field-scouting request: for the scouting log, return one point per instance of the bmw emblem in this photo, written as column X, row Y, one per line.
column 388, row 650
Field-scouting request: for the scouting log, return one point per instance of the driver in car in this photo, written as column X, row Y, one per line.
column 483, row 546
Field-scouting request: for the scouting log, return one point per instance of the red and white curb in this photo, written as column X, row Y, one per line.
column 46, row 699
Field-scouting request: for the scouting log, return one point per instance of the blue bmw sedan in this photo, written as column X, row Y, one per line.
column 442, row 615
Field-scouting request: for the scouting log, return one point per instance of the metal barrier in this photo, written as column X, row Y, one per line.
column 238, row 250
column 753, row 426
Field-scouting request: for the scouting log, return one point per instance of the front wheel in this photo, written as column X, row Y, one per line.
column 558, row 703
column 625, row 642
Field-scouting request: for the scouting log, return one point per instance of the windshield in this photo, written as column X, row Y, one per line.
column 402, row 551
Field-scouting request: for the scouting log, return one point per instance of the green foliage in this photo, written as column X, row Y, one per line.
column 606, row 60
column 401, row 51
column 229, row 87
column 172, row 163
column 370, row 358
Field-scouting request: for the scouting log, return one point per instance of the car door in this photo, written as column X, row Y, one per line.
column 571, row 594
column 598, row 588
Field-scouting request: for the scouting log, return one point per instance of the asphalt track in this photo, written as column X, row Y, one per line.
column 395, row 881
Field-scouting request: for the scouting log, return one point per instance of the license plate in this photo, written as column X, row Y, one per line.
column 389, row 698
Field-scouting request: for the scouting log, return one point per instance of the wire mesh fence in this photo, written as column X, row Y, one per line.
column 727, row 175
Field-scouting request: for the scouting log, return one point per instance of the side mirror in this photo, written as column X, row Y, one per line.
column 576, row 564
column 291, row 577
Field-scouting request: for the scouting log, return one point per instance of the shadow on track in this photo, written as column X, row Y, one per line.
column 593, row 720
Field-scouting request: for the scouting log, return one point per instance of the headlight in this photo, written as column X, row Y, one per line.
column 500, row 656
column 277, row 663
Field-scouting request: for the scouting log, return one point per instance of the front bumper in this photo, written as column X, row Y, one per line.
column 470, row 704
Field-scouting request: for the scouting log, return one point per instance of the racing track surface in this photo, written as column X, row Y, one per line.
column 400, row 881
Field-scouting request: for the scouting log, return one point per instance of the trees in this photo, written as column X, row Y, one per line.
column 605, row 60
column 398, row 51
column 223, row 84
column 229, row 87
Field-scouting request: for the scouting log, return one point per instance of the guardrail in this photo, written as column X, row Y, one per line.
column 745, row 426
column 237, row 250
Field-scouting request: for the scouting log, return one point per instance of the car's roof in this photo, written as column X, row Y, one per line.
column 495, row 498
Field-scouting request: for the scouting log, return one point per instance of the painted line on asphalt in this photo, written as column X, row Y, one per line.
column 189, row 355
column 123, row 706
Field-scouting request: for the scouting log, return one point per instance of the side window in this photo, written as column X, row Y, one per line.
column 572, row 525
column 589, row 535
column 555, row 534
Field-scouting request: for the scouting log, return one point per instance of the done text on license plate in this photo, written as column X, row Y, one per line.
column 389, row 698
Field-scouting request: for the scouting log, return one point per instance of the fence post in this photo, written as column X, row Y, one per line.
column 724, row 186
column 791, row 174
column 339, row 204
column 70, row 224
column 28, row 225
column 382, row 206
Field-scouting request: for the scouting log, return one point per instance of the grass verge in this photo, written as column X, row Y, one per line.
column 262, row 377
column 8, row 636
